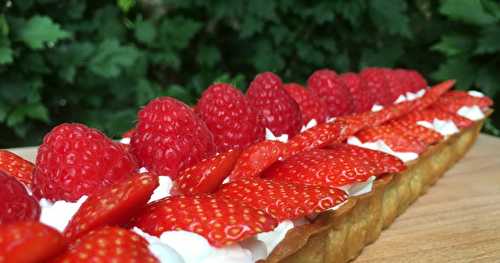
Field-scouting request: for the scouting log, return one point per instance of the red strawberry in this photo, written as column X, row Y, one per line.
column 170, row 137
column 389, row 112
column 432, row 113
column 112, row 205
column 323, row 167
column 452, row 101
column 432, row 95
column 311, row 107
column 283, row 200
column 373, row 79
column 362, row 99
column 29, row 242
column 108, row 244
column 207, row 175
column 328, row 87
column 75, row 160
column 15, row 166
column 395, row 140
column 15, row 202
column 222, row 222
column 394, row 84
column 280, row 113
column 426, row 135
column 257, row 158
column 228, row 114
column 315, row 137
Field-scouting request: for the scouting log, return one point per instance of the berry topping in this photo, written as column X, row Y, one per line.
column 311, row 107
column 397, row 141
column 433, row 94
column 374, row 79
column 15, row 166
column 452, row 101
column 228, row 114
column 315, row 137
column 417, row 79
column 432, row 113
column 75, row 160
column 15, row 202
column 170, row 137
column 29, row 242
column 362, row 99
column 279, row 112
column 221, row 221
column 112, row 205
column 394, row 84
column 207, row 175
column 426, row 135
column 328, row 87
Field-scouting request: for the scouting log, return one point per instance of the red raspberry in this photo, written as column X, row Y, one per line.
column 170, row 137
column 373, row 79
column 75, row 160
column 327, row 86
column 311, row 107
column 418, row 80
column 15, row 203
column 394, row 84
column 280, row 113
column 228, row 114
column 362, row 99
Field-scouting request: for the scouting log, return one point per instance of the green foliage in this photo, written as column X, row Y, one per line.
column 98, row 62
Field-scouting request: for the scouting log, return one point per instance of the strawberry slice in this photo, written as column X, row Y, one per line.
column 426, row 135
column 112, row 205
column 15, row 202
column 29, row 242
column 283, row 200
column 452, row 101
column 109, row 244
column 432, row 113
column 221, row 221
column 207, row 175
column 257, row 158
column 14, row 165
column 315, row 137
column 397, row 141
column 432, row 95
column 330, row 167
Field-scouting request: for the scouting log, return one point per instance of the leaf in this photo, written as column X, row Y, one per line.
column 458, row 68
column 487, row 80
column 125, row 5
column 177, row 32
column 468, row 11
column 37, row 111
column 489, row 41
column 390, row 16
column 6, row 56
column 111, row 57
column 40, row 30
column 266, row 58
column 145, row 31
column 208, row 56
column 145, row 91
column 178, row 92
column 383, row 57
column 452, row 45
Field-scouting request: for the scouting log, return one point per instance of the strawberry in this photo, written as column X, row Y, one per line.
column 311, row 107
column 207, row 175
column 221, row 221
column 394, row 84
column 228, row 114
column 432, row 95
column 15, row 166
column 108, row 244
column 315, row 137
column 15, row 202
column 426, row 135
column 373, row 79
column 395, row 140
column 257, row 158
column 280, row 113
column 29, row 242
column 362, row 99
column 327, row 86
column 75, row 160
column 323, row 167
column 389, row 112
column 170, row 137
column 452, row 101
column 283, row 200
column 112, row 205
column 432, row 113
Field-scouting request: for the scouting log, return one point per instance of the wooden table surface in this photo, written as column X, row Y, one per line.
column 458, row 220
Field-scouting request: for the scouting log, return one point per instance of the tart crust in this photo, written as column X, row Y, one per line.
column 341, row 235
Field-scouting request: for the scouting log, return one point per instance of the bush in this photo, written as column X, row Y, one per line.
column 97, row 62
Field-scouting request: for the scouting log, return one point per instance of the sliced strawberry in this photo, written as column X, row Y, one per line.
column 112, row 205
column 15, row 202
column 257, row 158
column 283, row 200
column 432, row 113
column 221, row 221
column 324, row 167
column 207, row 175
column 14, row 165
column 432, row 95
column 29, row 242
column 395, row 140
column 426, row 135
column 452, row 101
column 315, row 137
column 109, row 244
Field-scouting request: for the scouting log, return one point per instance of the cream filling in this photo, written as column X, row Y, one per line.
column 380, row 145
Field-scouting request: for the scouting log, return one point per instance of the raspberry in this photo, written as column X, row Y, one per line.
column 362, row 99
column 170, row 137
column 280, row 113
column 234, row 123
column 75, row 160
column 327, row 86
column 15, row 203
column 373, row 79
column 311, row 107
column 394, row 84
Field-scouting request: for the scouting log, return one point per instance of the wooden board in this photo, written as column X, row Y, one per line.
column 458, row 220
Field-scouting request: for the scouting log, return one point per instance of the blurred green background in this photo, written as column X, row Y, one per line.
column 98, row 62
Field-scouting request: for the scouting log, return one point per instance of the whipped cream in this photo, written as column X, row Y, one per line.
column 377, row 107
column 401, row 98
column 160, row 250
column 271, row 137
column 58, row 214
column 330, row 119
column 380, row 145
column 475, row 93
column 413, row 96
column 444, row 127
column 125, row 140
column 163, row 189
column 357, row 189
column 309, row 125
column 473, row 113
